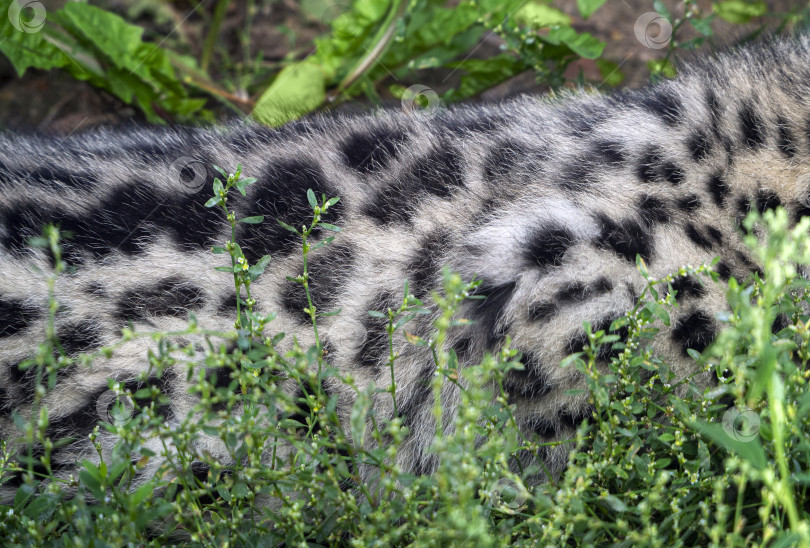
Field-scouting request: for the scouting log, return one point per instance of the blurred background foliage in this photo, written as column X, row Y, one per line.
column 72, row 65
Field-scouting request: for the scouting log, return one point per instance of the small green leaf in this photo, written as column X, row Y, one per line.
column 375, row 314
column 141, row 494
column 658, row 311
column 217, row 250
column 212, row 202
column 290, row 423
column 239, row 490
column 614, row 503
column 241, row 186
column 327, row 226
column 258, row 269
column 359, row 412
column 252, row 220
column 285, row 225
column 313, row 202
column 224, row 493
column 324, row 242
column 91, row 478
column 415, row 339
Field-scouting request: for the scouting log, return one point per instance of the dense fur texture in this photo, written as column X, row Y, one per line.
column 548, row 203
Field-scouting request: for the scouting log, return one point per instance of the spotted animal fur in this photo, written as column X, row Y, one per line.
column 548, row 202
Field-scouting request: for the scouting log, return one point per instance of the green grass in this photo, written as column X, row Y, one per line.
column 662, row 462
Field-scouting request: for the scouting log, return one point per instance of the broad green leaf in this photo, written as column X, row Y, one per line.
column 297, row 90
column 101, row 48
column 611, row 74
column 540, row 15
column 42, row 507
column 662, row 67
column 482, row 74
column 661, row 8
column 703, row 26
column 583, row 44
column 141, row 493
column 740, row 12
column 749, row 449
column 587, row 7
column 371, row 9
column 28, row 49
column 115, row 39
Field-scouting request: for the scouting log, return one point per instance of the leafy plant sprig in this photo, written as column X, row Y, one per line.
column 243, row 273
column 305, row 232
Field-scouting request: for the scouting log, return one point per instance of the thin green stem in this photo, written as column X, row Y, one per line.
column 213, row 33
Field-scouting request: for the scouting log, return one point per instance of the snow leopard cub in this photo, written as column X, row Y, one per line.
column 548, row 203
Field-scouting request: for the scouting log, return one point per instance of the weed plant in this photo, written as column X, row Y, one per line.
column 718, row 458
